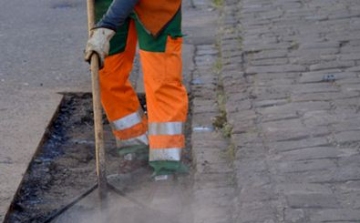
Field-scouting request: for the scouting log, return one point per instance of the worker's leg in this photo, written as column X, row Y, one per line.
column 118, row 97
column 166, row 96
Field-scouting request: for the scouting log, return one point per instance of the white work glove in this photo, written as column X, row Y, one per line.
column 99, row 42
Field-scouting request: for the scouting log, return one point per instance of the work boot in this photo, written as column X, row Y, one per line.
column 165, row 169
column 133, row 158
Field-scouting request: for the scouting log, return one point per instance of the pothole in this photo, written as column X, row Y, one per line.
column 64, row 166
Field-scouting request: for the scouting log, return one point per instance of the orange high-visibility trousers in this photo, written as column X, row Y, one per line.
column 166, row 96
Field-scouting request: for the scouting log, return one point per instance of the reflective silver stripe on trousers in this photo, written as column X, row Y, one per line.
column 138, row 140
column 166, row 128
column 171, row 154
column 128, row 121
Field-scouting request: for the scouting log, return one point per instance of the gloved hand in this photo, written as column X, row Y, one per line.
column 99, row 42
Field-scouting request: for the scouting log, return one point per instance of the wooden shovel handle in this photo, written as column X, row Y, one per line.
column 98, row 127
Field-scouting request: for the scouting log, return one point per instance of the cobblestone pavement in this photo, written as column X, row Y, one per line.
column 290, row 72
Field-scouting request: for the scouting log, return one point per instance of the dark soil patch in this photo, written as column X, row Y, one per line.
column 64, row 167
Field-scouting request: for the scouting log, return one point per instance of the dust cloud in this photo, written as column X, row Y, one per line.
column 154, row 202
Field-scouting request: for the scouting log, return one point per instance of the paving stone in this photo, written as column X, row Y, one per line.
column 349, row 136
column 352, row 186
column 205, row 63
column 294, row 215
column 267, row 103
column 270, row 117
column 216, row 214
column 281, row 125
column 349, row 105
column 310, row 153
column 210, row 114
column 243, row 116
column 319, row 118
column 205, row 80
column 230, row 67
column 349, row 158
column 349, row 56
column 215, row 193
column 285, row 5
column 278, row 76
column 239, row 106
column 199, row 94
column 302, row 37
column 217, row 167
column 252, row 151
column 204, row 106
column 235, row 74
column 256, row 38
column 257, row 7
column 315, row 176
column 304, row 166
column 354, row 80
column 296, row 133
column 213, row 180
column 275, row 69
column 211, row 156
column 315, row 88
column 246, row 138
column 346, row 125
column 332, row 65
column 253, row 179
column 299, row 12
column 320, row 76
column 303, row 188
column 295, row 107
column 263, row 96
column 322, row 51
column 312, row 201
column 325, row 96
column 319, row 45
column 344, row 14
column 210, row 50
column 237, row 94
column 256, row 212
column 335, row 36
column 333, row 215
column 350, row 200
column 251, row 193
column 270, row 14
column 231, row 59
column 208, row 140
column 346, row 173
column 271, row 89
column 260, row 46
column 351, row 46
column 261, row 81
column 351, row 87
column 267, row 62
column 298, row 144
column 228, row 48
column 312, row 59
column 248, row 164
column 268, row 54
column 239, row 127
column 259, row 22
column 231, row 82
